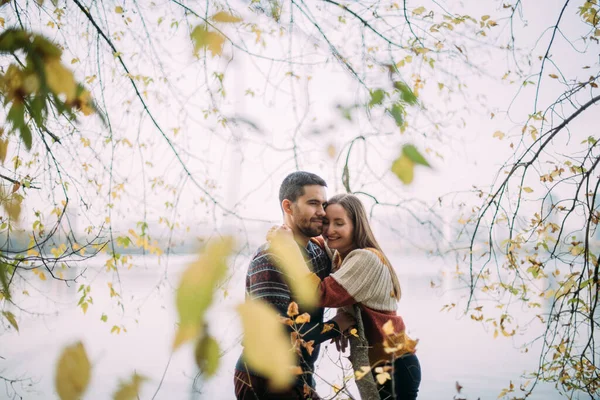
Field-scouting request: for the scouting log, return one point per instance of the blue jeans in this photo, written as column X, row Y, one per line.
column 406, row 378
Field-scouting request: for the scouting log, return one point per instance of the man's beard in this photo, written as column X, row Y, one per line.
column 308, row 230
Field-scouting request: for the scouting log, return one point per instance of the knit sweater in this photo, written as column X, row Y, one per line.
column 364, row 278
column 265, row 281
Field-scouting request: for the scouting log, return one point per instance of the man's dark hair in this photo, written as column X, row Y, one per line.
column 292, row 186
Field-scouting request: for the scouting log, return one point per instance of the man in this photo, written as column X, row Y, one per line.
column 302, row 198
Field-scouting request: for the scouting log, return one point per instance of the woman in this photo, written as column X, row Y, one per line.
column 365, row 284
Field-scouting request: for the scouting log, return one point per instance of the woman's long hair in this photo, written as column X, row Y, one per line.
column 363, row 235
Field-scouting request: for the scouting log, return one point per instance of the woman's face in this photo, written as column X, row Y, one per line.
column 338, row 229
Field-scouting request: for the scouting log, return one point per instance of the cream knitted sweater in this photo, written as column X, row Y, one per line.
column 367, row 279
column 364, row 276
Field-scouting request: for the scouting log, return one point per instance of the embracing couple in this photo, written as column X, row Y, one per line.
column 354, row 276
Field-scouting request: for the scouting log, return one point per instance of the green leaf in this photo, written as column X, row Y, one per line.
column 16, row 116
column 346, row 113
column 26, row 136
column 4, row 279
column 130, row 390
column 104, row 318
column 397, row 111
column 406, row 94
column 413, row 154
column 376, row 97
column 207, row 355
column 586, row 283
column 11, row 318
column 37, row 110
column 124, row 241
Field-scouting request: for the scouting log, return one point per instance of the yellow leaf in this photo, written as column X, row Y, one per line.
column 485, row 17
column 327, row 328
column 75, row 60
column 203, row 38
column 359, row 374
column 388, row 328
column 2, row 22
column 286, row 321
column 60, row 79
column 197, row 286
column 42, row 275
column 84, row 103
column 296, row 370
column 383, row 377
column 499, row 135
column 302, row 319
column 336, row 388
column 292, row 310
column 553, row 76
column 3, row 149
column 266, row 344
column 418, row 11
column 119, row 10
column 403, row 167
column 309, row 346
column 331, row 151
column 207, row 355
column 289, row 258
column 11, row 318
column 224, row 17
column 527, row 189
column 72, row 372
column 129, row 390
column 11, row 204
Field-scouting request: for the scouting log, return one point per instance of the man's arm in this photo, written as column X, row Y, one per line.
column 266, row 282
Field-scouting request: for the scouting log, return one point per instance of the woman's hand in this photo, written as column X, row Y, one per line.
column 341, row 343
column 345, row 322
column 280, row 231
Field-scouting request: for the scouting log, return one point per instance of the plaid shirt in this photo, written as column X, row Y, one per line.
column 265, row 281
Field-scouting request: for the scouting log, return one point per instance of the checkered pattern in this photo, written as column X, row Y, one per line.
column 265, row 281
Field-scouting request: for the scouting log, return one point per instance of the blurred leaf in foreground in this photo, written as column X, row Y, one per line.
column 266, row 344
column 73, row 372
column 197, row 286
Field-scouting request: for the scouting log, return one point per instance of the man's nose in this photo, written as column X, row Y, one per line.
column 321, row 211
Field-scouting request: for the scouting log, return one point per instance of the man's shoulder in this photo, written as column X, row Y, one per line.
column 263, row 256
column 264, row 250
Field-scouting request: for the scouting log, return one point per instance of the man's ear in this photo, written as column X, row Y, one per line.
column 286, row 205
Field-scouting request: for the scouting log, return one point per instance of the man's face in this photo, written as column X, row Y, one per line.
column 309, row 211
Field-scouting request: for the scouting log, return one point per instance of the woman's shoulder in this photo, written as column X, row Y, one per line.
column 366, row 254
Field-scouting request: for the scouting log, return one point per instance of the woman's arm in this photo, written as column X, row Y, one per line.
column 354, row 282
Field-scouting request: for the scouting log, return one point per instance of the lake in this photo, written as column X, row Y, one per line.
column 452, row 347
